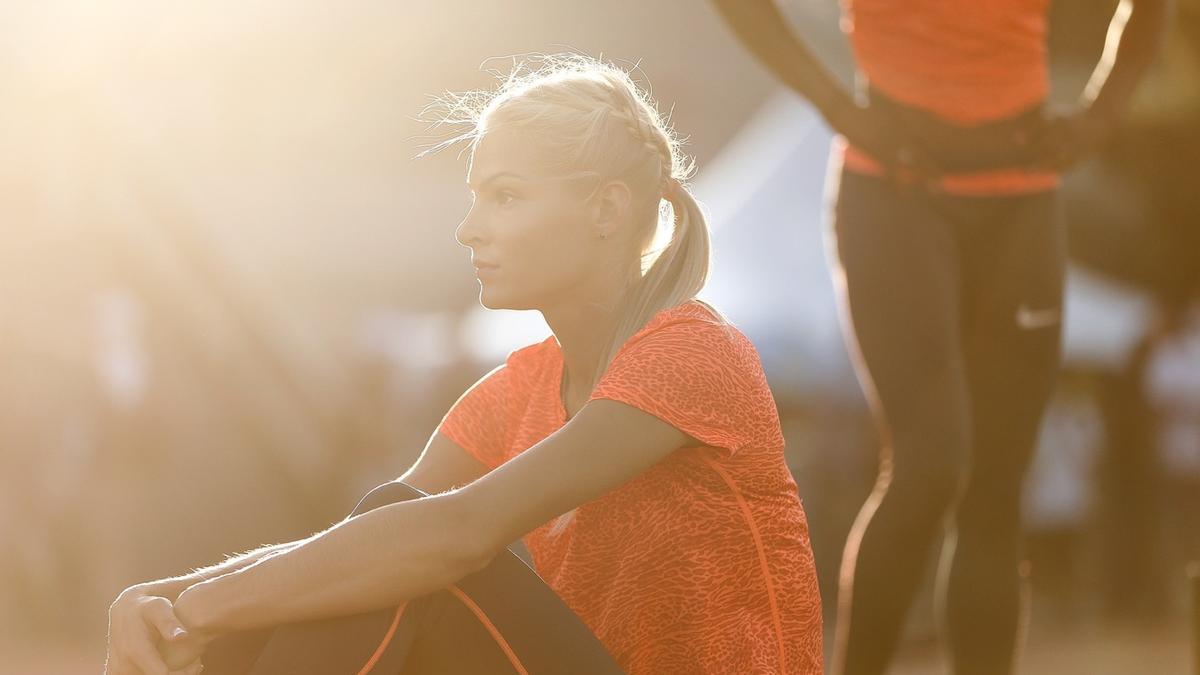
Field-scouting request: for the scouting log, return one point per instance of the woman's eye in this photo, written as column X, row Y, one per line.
column 504, row 197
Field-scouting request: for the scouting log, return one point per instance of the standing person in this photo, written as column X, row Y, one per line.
column 637, row 449
column 948, row 257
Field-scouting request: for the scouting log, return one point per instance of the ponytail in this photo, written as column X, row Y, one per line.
column 676, row 275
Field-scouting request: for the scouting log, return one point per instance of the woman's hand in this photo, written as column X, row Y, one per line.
column 1065, row 139
column 138, row 624
column 187, row 649
column 884, row 138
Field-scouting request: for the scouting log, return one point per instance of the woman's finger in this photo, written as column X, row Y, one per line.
column 159, row 613
column 177, row 655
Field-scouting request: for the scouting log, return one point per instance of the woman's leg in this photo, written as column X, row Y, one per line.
column 502, row 619
column 1013, row 279
column 896, row 269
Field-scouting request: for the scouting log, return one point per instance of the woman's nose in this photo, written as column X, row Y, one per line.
column 467, row 233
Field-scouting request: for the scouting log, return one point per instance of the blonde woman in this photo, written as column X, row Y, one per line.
column 637, row 450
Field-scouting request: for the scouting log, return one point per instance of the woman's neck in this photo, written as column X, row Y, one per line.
column 583, row 329
column 583, row 334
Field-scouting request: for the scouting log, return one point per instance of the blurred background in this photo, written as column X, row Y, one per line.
column 231, row 300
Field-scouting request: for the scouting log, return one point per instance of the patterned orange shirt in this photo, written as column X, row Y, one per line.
column 702, row 563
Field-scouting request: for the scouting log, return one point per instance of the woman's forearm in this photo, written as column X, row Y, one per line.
column 378, row 559
column 764, row 31
column 171, row 587
column 1133, row 42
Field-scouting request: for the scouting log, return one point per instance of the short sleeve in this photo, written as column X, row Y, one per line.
column 703, row 378
column 478, row 419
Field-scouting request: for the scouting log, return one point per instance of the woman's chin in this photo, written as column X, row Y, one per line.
column 493, row 300
column 490, row 299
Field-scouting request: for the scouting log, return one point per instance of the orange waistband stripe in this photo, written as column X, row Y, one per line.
column 475, row 609
column 387, row 639
column 491, row 628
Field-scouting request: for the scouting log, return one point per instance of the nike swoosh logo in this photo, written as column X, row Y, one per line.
column 1030, row 319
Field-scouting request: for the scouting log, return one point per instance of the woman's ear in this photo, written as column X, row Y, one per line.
column 611, row 207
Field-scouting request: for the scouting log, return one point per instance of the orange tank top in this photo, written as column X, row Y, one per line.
column 966, row 62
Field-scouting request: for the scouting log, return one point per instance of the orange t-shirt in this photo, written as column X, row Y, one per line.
column 702, row 563
column 966, row 62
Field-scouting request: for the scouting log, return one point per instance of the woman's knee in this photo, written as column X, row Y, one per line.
column 388, row 493
column 929, row 481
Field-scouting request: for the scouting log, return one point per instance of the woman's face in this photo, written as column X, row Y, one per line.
column 534, row 240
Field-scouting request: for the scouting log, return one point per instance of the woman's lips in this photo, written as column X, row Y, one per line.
column 482, row 268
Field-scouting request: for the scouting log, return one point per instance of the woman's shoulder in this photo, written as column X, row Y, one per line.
column 693, row 310
column 693, row 323
column 692, row 337
column 695, row 370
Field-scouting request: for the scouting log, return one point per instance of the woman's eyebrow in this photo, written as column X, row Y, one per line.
column 493, row 177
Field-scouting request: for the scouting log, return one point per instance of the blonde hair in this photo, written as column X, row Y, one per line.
column 600, row 125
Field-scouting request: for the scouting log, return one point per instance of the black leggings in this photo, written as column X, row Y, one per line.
column 953, row 310
column 504, row 619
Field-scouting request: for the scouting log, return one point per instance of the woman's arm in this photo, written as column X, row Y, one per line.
column 171, row 587
column 764, row 32
column 407, row 549
column 441, row 466
column 1134, row 36
column 376, row 559
column 606, row 444
column 1133, row 41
